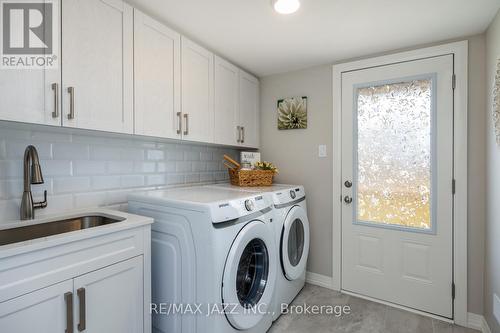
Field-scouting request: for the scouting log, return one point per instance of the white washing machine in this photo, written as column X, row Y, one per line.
column 291, row 227
column 213, row 249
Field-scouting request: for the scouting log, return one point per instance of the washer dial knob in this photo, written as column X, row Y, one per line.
column 292, row 194
column 249, row 205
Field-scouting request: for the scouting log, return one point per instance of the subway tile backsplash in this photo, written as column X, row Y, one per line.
column 87, row 169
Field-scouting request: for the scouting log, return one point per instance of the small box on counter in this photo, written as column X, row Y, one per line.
column 249, row 157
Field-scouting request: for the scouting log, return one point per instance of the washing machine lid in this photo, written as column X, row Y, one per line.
column 294, row 245
column 249, row 276
column 221, row 204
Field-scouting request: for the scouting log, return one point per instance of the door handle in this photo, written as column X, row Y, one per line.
column 348, row 184
column 179, row 118
column 71, row 114
column 238, row 128
column 186, row 118
column 82, row 313
column 347, row 199
column 55, row 88
column 68, row 297
column 242, row 134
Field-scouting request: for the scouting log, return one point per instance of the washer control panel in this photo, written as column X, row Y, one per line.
column 249, row 205
column 231, row 210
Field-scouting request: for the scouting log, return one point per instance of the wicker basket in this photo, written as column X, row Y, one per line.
column 251, row 177
column 247, row 178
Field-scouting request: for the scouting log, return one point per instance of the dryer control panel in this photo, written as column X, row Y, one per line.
column 289, row 195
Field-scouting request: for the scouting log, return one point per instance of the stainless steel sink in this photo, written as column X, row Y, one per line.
column 24, row 233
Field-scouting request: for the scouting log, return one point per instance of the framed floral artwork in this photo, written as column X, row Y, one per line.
column 292, row 113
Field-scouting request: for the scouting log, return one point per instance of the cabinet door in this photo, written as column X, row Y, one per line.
column 249, row 110
column 41, row 311
column 226, row 102
column 97, row 46
column 32, row 95
column 157, row 64
column 197, row 92
column 111, row 299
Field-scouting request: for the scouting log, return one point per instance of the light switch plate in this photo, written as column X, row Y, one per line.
column 496, row 307
column 322, row 151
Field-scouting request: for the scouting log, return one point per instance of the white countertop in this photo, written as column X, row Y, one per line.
column 131, row 221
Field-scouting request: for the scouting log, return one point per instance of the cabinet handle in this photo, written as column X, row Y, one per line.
column 71, row 114
column 186, row 118
column 55, row 87
column 238, row 128
column 179, row 118
column 68, row 297
column 81, row 297
column 242, row 134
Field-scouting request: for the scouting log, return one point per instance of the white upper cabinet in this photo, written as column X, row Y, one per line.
column 249, row 110
column 97, row 74
column 226, row 102
column 157, row 65
column 31, row 95
column 124, row 72
column 197, row 92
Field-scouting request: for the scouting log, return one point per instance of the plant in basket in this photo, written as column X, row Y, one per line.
column 266, row 166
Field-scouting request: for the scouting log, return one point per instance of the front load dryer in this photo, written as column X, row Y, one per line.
column 291, row 227
column 213, row 259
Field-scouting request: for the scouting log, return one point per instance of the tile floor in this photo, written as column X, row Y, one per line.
column 365, row 317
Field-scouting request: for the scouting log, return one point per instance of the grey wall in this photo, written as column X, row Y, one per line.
column 492, row 258
column 296, row 154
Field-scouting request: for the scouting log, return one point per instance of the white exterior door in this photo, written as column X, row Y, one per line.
column 110, row 299
column 397, row 169
column 249, row 110
column 226, row 102
column 197, row 92
column 41, row 311
column 98, row 65
column 157, row 78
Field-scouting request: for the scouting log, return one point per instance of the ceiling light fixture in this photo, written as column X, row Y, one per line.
column 286, row 6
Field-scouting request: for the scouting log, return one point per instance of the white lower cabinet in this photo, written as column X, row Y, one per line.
column 41, row 311
column 106, row 300
column 95, row 285
column 110, row 299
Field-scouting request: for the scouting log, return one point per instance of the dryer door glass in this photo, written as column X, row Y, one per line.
column 252, row 274
column 296, row 242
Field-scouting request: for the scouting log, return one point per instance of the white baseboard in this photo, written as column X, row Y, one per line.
column 477, row 322
column 319, row 280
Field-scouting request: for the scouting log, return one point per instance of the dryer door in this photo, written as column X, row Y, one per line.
column 294, row 243
column 249, row 276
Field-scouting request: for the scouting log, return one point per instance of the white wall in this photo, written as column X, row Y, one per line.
column 296, row 154
column 90, row 169
column 492, row 259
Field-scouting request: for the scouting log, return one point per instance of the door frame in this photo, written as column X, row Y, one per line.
column 459, row 50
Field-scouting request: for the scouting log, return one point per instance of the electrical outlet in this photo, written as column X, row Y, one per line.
column 496, row 307
column 322, row 151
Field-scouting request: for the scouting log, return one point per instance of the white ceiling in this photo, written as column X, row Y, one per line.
column 252, row 35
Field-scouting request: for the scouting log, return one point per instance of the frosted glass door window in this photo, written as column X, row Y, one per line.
column 394, row 153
